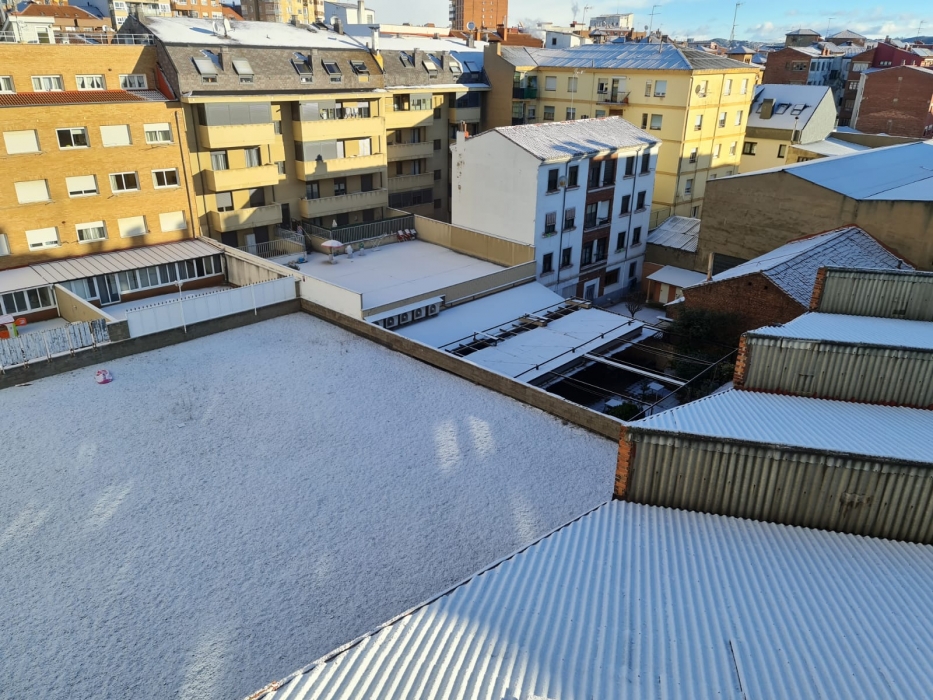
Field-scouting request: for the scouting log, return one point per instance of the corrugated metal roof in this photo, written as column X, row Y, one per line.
column 793, row 266
column 676, row 276
column 119, row 261
column 831, row 147
column 628, row 55
column 559, row 140
column 839, row 328
column 20, row 278
column 884, row 293
column 635, row 601
column 680, row 232
column 887, row 432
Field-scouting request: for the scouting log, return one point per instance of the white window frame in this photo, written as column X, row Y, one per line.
column 550, row 83
column 133, row 81
column 155, row 179
column 116, row 178
column 84, row 192
column 47, row 242
column 660, row 88
column 732, row 148
column 178, row 216
column 660, row 118
column 572, row 83
column 39, row 83
column 738, row 117
column 744, row 86
column 6, row 84
column 90, row 78
column 4, row 245
column 91, row 226
column 727, row 89
column 158, row 134
column 71, row 132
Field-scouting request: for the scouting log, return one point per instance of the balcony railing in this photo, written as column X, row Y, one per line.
column 407, row 151
column 249, row 217
column 613, row 98
column 328, row 206
column 364, row 232
column 524, row 93
column 292, row 245
column 81, row 38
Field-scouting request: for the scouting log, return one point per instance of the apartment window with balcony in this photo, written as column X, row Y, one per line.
column 72, row 138
column 547, row 263
column 572, row 84
column 91, row 231
column 688, row 186
column 749, row 148
column 573, row 176
column 6, row 83
column 162, row 179
column 782, row 150
column 571, row 113
column 417, row 167
column 313, row 190
column 722, row 119
column 626, row 207
column 727, row 88
column 548, row 114
column 636, row 235
column 656, row 120
column 257, row 197
column 252, row 157
column 340, row 186
column 589, row 217
column 602, row 244
column 550, row 83
column 550, row 223
column 552, row 179
column 158, row 133
column 694, row 155
column 629, row 166
column 640, row 201
column 586, row 255
column 738, row 117
column 124, row 182
column 566, row 257
column 698, row 123
column 90, row 82
column 602, row 87
column 47, row 83
column 660, row 88
column 645, row 163
column 219, row 160
column 421, row 103
column 570, row 216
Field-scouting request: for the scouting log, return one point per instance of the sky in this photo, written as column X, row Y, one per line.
column 700, row 19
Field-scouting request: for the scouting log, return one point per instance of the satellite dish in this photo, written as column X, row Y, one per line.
column 216, row 27
column 227, row 27
column 471, row 26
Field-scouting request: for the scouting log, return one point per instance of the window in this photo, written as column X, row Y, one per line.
column 738, row 117
column 632, row 270
column 252, row 157
column 626, row 204
column 6, row 83
column 572, row 84
column 124, row 182
column 698, row 122
column 636, row 235
column 571, row 113
column 552, row 176
column 732, row 148
column 173, row 221
column 656, row 122
column 132, row 226
column 853, row 85
column 688, row 186
column 243, row 69
column 570, row 215
column 72, row 138
column 430, row 66
column 117, row 135
column 745, row 86
column 573, row 176
column 340, row 186
column 32, row 191
column 437, row 144
column 782, row 150
column 694, row 155
column 592, row 180
column 158, row 133
column 586, row 255
column 81, row 185
column 749, row 148
column 620, row 242
column 303, row 68
column 722, row 119
column 331, row 67
column 90, row 82
column 629, row 166
column 134, row 81
column 695, row 212
column 645, row 162
column 219, row 160
column 4, row 245
column 727, row 88
column 29, row 300
column 644, row 121
column 548, row 114
column 589, row 216
column 550, row 223
column 600, row 113
column 612, row 277
column 224, row 200
column 648, row 88
column 640, row 201
column 702, row 87
column 47, row 83
column 547, row 263
column 717, row 151
column 550, row 82
column 565, row 257
column 165, row 178
column 660, row 88
column 42, row 238
column 92, row 231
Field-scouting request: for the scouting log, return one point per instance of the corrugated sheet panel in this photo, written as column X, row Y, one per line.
column 860, row 496
column 900, row 434
column 843, row 328
column 882, row 293
column 633, row 601
column 845, row 372
column 558, row 140
column 679, row 232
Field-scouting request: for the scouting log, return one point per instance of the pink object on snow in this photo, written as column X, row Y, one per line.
column 103, row 376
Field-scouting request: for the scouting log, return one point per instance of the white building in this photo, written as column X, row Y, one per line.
column 564, row 40
column 579, row 191
column 621, row 21
column 349, row 13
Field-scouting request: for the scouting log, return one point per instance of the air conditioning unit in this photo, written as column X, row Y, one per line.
column 433, row 309
column 404, row 318
column 419, row 313
column 390, row 322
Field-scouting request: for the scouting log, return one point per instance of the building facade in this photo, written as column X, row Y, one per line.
column 696, row 104
column 480, row 13
column 883, row 55
column 897, row 101
column 39, row 24
column 306, row 11
column 94, row 156
column 585, row 207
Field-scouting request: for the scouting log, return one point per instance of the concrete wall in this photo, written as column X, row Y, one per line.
column 477, row 244
column 74, row 309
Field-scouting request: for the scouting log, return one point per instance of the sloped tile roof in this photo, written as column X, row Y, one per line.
column 73, row 97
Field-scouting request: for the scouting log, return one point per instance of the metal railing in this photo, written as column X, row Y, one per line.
column 292, row 245
column 81, row 38
column 520, row 93
column 620, row 98
column 364, row 232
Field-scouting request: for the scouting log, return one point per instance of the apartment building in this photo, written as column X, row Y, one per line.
column 120, row 10
column 93, row 158
column 38, row 23
column 294, row 125
column 886, row 54
column 695, row 103
column 580, row 192
column 307, row 11
column 482, row 14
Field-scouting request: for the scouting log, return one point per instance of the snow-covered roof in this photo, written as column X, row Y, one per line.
column 680, row 232
column 832, row 147
column 391, row 41
column 845, row 35
column 200, row 32
column 802, row 32
column 562, row 140
column 636, row 601
column 676, row 276
column 794, row 105
column 840, row 328
column 474, row 316
column 886, row 432
column 793, row 266
column 627, row 55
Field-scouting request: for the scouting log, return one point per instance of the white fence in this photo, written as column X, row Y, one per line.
column 204, row 307
column 44, row 345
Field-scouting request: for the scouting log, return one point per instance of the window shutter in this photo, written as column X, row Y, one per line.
column 21, row 142
column 32, row 191
column 132, row 226
column 173, row 221
column 117, row 135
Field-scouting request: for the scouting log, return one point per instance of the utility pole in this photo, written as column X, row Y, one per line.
column 919, row 28
column 735, row 18
column 653, row 13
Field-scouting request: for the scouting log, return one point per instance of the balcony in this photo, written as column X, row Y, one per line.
column 409, row 118
column 329, row 206
column 339, row 129
column 339, row 167
column 241, row 178
column 239, row 136
column 465, row 114
column 410, row 151
column 612, row 98
column 410, row 182
column 237, row 219
column 520, row 93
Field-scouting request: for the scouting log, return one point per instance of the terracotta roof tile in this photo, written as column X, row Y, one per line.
column 70, row 97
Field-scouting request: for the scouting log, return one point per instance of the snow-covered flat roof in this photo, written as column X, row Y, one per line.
column 677, row 276
column 231, row 507
column 900, row 434
column 564, row 140
column 831, row 147
column 398, row 271
column 189, row 30
column 840, row 328
column 635, row 601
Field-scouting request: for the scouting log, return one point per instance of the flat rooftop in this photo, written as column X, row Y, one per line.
column 857, row 330
column 231, row 507
column 397, row 271
column 635, row 601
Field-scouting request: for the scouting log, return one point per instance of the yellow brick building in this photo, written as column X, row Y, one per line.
column 697, row 104
column 92, row 157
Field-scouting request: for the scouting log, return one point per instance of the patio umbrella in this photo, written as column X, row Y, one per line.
column 331, row 246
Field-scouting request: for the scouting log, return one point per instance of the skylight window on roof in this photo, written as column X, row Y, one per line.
column 470, row 66
column 406, row 59
column 359, row 67
column 303, row 68
column 205, row 66
column 455, row 67
column 798, row 109
column 430, row 67
column 242, row 67
column 781, row 108
column 331, row 67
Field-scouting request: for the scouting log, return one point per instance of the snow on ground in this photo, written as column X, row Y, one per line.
column 231, row 507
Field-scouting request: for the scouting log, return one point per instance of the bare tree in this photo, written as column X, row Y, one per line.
column 634, row 301
column 575, row 8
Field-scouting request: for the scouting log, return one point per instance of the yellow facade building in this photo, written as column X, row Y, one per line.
column 93, row 156
column 697, row 104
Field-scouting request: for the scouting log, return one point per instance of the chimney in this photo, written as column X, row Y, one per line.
column 374, row 34
column 436, row 36
column 338, row 25
column 709, row 268
column 417, row 57
column 360, row 12
column 313, row 59
column 471, row 42
column 767, row 108
column 445, row 60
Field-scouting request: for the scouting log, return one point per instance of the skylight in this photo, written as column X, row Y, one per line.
column 359, row 67
column 242, row 67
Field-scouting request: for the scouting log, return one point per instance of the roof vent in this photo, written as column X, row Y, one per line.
column 767, row 108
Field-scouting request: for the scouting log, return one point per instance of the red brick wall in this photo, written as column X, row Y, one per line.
column 897, row 101
column 777, row 70
column 753, row 298
column 741, row 365
column 624, row 465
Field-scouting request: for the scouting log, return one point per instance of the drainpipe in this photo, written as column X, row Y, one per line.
column 680, row 159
